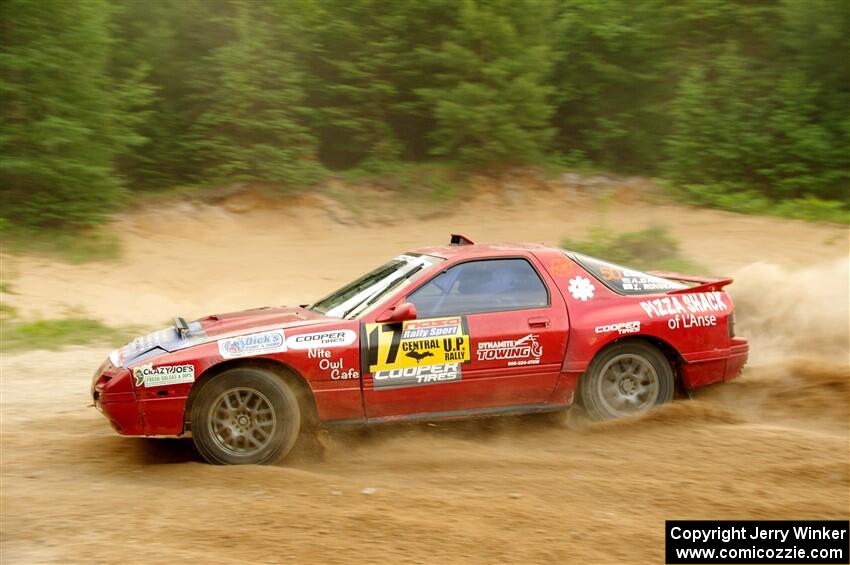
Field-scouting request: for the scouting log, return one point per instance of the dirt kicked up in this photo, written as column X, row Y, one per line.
column 772, row 444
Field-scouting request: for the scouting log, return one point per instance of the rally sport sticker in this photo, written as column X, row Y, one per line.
column 253, row 344
column 149, row 375
column 417, row 344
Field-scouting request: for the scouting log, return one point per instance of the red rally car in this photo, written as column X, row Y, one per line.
column 443, row 332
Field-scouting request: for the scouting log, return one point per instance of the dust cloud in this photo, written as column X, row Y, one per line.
column 794, row 312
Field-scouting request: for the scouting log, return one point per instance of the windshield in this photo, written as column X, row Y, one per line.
column 357, row 297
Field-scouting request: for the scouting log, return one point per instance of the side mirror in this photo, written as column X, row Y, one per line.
column 401, row 313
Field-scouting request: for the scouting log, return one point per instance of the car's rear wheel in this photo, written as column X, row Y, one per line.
column 626, row 379
column 245, row 416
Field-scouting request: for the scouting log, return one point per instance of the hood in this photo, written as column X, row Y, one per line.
column 210, row 328
column 258, row 319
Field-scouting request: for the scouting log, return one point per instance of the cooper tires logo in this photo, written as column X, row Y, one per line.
column 324, row 340
column 621, row 328
column 417, row 376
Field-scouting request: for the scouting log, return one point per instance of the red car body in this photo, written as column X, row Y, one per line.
column 551, row 347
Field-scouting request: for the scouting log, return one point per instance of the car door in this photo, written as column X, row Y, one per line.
column 489, row 333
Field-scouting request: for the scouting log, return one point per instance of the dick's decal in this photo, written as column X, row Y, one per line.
column 252, row 344
column 416, row 344
column 149, row 376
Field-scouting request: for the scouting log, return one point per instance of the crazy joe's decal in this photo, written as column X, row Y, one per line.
column 147, row 375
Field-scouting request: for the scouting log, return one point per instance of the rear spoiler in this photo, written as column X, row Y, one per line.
column 703, row 284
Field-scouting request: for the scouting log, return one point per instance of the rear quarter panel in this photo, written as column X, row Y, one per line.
column 693, row 325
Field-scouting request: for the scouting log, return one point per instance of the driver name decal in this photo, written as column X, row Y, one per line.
column 417, row 343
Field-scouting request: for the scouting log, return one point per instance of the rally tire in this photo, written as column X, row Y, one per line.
column 626, row 379
column 245, row 416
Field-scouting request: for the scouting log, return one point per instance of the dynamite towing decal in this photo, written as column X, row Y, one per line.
column 527, row 348
column 148, row 375
column 418, row 345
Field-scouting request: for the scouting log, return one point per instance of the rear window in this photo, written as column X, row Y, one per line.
column 623, row 280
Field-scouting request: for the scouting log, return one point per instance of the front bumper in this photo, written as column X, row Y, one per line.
column 131, row 414
column 112, row 394
column 123, row 416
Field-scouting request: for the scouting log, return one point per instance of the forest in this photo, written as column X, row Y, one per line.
column 738, row 104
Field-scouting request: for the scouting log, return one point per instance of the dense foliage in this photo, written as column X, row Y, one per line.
column 735, row 102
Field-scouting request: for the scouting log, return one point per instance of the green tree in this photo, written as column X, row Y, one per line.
column 491, row 101
column 366, row 63
column 64, row 120
column 254, row 122
column 172, row 40
column 802, row 157
column 717, row 135
column 611, row 61
column 812, row 119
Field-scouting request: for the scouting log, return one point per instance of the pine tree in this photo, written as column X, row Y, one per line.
column 171, row 40
column 718, row 136
column 610, row 66
column 491, row 100
column 254, row 124
column 63, row 120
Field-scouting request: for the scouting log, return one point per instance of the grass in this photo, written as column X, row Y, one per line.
column 808, row 208
column 56, row 333
column 648, row 249
column 436, row 181
column 93, row 244
column 7, row 311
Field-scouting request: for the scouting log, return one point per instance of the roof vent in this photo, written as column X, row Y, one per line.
column 460, row 239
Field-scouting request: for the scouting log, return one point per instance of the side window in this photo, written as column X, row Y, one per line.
column 481, row 286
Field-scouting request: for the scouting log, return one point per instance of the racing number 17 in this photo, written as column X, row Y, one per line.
column 374, row 343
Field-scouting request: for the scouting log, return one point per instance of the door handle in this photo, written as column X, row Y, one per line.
column 541, row 322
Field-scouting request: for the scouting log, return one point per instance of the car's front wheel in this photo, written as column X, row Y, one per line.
column 245, row 416
column 626, row 379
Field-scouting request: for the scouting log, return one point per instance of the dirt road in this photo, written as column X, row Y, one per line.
column 773, row 444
